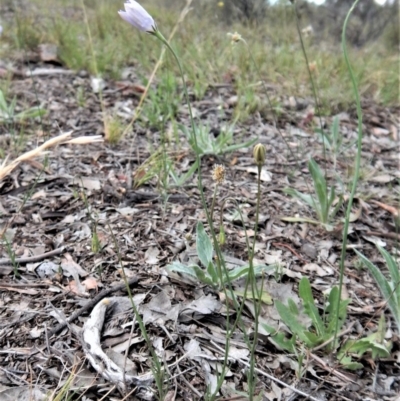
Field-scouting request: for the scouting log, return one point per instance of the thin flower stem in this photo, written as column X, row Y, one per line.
column 220, row 260
column 356, row 167
column 213, row 203
column 94, row 62
column 160, row 36
column 254, row 290
column 157, row 366
column 313, row 85
column 138, row 108
column 274, row 117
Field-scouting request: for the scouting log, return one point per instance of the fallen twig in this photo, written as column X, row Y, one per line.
column 31, row 259
column 91, row 304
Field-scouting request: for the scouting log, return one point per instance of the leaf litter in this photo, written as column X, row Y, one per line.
column 186, row 322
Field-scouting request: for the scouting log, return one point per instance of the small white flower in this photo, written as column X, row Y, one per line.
column 137, row 16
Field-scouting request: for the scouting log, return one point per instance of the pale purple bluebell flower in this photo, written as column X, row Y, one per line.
column 138, row 17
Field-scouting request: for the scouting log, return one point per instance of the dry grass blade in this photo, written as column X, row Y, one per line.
column 64, row 138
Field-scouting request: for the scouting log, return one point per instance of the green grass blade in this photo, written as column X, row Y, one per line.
column 320, row 189
column 303, row 197
column 392, row 266
column 384, row 287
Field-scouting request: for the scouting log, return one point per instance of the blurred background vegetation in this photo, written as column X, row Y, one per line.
column 202, row 42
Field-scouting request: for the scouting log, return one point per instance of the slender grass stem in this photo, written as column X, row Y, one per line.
column 310, row 76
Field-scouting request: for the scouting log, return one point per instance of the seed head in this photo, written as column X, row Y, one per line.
column 259, row 154
column 235, row 37
column 218, row 173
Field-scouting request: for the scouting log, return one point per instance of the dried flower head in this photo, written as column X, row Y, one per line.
column 235, row 37
column 307, row 31
column 138, row 17
column 259, row 153
column 218, row 173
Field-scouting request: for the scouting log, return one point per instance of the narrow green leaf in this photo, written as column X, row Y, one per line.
column 303, row 197
column 331, row 197
column 349, row 364
column 238, row 272
column 181, row 268
column 279, row 339
column 337, row 207
column 392, row 266
column 3, row 103
column 299, row 220
column 313, row 338
column 332, row 314
column 309, row 305
column 290, row 320
column 384, row 287
column 320, row 190
column 202, row 276
column 212, row 272
column 243, row 145
column 395, row 280
column 203, row 245
column 293, row 307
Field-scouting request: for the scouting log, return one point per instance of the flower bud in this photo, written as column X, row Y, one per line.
column 259, row 154
column 138, row 17
column 221, row 236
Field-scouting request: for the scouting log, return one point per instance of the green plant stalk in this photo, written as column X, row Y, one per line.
column 313, row 86
column 95, row 238
column 94, row 62
column 11, row 255
column 157, row 367
column 241, row 306
column 357, row 162
column 249, row 247
column 254, row 291
column 165, row 173
column 220, row 259
column 63, row 392
column 160, row 36
column 213, row 204
column 220, row 273
column 274, row 116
